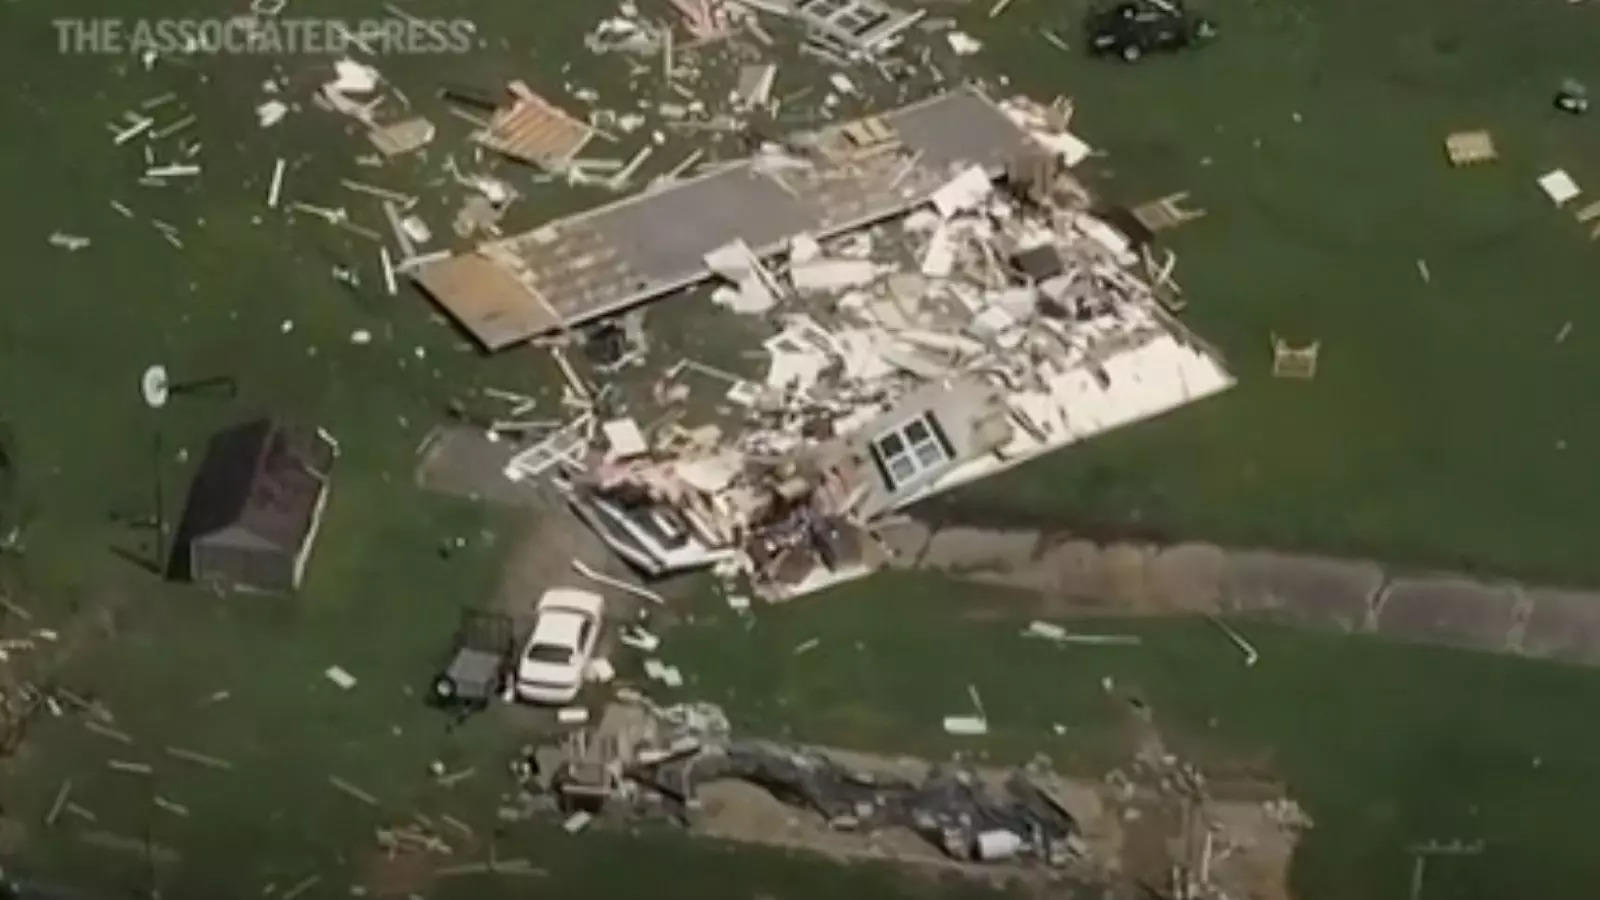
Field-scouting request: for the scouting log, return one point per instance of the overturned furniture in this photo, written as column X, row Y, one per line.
column 1289, row 361
column 254, row 507
column 1166, row 212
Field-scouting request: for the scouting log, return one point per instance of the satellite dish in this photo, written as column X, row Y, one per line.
column 155, row 387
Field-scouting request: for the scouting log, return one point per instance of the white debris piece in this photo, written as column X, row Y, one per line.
column 599, row 671
column 1559, row 186
column 939, row 259
column 966, row 726
column 803, row 248
column 1047, row 630
column 963, row 192
column 137, row 128
column 403, row 137
column 639, row 639
column 829, row 275
column 963, row 44
column 70, row 242
column 660, row 671
column 842, row 83
column 340, row 677
column 352, row 77
column 175, row 170
column 757, row 288
column 997, row 843
column 416, row 229
column 738, row 602
column 1107, row 237
column 572, row 715
column 387, row 265
column 624, row 439
column 755, row 85
column 271, row 113
column 275, row 188
column 360, row 336
column 577, row 822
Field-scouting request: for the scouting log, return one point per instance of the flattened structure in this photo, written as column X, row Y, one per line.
column 593, row 264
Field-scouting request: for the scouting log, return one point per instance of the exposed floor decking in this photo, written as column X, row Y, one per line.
column 595, row 263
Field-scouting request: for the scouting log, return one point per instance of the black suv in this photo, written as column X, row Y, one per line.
column 1132, row 28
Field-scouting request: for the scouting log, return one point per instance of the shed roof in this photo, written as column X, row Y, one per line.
column 256, row 487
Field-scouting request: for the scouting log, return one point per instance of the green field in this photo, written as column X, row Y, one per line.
column 1431, row 432
column 1386, row 746
column 1430, row 436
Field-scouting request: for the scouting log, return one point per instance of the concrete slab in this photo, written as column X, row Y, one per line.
column 1306, row 590
column 905, row 539
column 974, row 550
column 1449, row 610
column 1564, row 625
column 1188, row 578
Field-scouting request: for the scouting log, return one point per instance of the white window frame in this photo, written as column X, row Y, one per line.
column 915, row 457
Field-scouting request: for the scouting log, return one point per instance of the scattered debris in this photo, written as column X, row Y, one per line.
column 271, row 113
column 210, row 762
column 1466, row 148
column 1166, row 212
column 1245, row 647
column 275, row 187
column 177, row 809
column 340, row 677
column 403, row 137
column 535, row 131
column 349, row 789
column 69, row 242
column 1559, row 186
column 301, row 886
column 129, row 768
column 58, row 804
column 107, row 731
column 963, row 44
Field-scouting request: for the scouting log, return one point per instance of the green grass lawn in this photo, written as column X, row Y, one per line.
column 1385, row 745
column 1430, row 434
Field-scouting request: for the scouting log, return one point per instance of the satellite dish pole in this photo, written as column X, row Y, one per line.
column 157, row 387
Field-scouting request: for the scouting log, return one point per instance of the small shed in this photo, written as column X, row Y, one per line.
column 254, row 507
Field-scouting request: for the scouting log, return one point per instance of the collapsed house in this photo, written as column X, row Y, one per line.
column 254, row 507
column 948, row 302
column 989, row 325
column 599, row 262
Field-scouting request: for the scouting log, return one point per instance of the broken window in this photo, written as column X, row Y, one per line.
column 911, row 450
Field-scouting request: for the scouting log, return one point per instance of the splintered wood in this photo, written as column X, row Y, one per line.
column 1466, row 148
column 200, row 759
column 346, row 787
column 534, row 130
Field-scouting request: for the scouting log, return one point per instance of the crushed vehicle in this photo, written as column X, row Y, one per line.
column 1132, row 28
